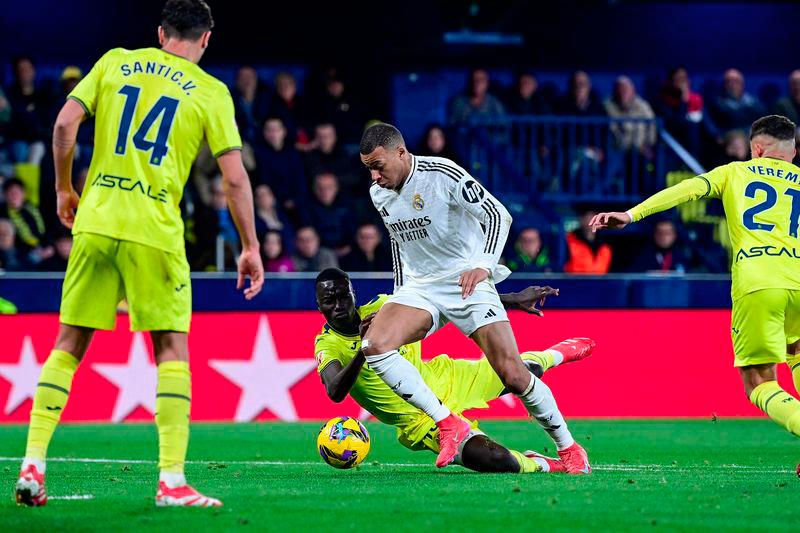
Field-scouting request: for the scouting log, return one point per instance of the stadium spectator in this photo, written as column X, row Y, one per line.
column 477, row 101
column 434, row 143
column 287, row 105
column 682, row 110
column 5, row 128
column 326, row 155
column 250, row 102
column 273, row 253
column 580, row 99
column 30, row 103
column 70, row 77
column 735, row 108
column 58, row 261
column 279, row 165
column 529, row 253
column 526, row 98
column 309, row 256
column 789, row 106
column 269, row 216
column 337, row 106
column 625, row 103
column 588, row 254
column 11, row 259
column 736, row 147
column 368, row 255
column 27, row 220
column 329, row 214
column 663, row 254
column 226, row 231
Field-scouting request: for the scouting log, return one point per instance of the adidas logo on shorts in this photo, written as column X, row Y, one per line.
column 490, row 314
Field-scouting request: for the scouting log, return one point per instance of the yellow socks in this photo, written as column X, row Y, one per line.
column 779, row 405
column 173, row 402
column 526, row 464
column 51, row 396
column 794, row 365
column 543, row 359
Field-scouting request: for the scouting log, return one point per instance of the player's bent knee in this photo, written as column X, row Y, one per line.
column 515, row 377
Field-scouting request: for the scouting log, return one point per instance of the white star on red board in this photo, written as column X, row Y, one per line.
column 136, row 380
column 265, row 380
column 23, row 376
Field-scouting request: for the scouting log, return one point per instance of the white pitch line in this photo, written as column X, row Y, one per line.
column 598, row 467
column 72, row 497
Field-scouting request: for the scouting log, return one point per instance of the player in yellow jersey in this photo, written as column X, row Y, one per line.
column 154, row 108
column 462, row 384
column 761, row 198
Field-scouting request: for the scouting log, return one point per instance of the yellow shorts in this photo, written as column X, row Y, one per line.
column 762, row 324
column 461, row 385
column 102, row 271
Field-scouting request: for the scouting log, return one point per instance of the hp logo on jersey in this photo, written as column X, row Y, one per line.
column 472, row 192
column 418, row 202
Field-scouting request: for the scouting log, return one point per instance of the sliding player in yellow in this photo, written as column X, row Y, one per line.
column 461, row 383
column 762, row 207
column 154, row 108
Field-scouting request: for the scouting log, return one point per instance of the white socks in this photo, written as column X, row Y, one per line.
column 539, row 401
column 40, row 464
column 558, row 357
column 405, row 380
column 172, row 479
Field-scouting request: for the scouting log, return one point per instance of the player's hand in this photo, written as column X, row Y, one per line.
column 250, row 266
column 528, row 299
column 469, row 280
column 614, row 220
column 66, row 204
column 365, row 322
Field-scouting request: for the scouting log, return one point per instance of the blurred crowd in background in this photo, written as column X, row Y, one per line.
column 311, row 192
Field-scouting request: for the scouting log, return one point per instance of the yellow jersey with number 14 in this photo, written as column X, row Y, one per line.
column 152, row 112
column 761, row 198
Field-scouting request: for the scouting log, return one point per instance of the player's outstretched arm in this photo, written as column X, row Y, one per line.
column 65, row 133
column 240, row 202
column 690, row 189
column 527, row 299
column 338, row 380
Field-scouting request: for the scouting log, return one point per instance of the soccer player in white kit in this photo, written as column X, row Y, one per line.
column 447, row 234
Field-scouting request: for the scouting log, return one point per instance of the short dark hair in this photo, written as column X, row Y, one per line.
column 776, row 126
column 186, row 19
column 332, row 274
column 380, row 134
column 11, row 182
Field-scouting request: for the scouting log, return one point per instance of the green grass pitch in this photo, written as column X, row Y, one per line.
column 724, row 475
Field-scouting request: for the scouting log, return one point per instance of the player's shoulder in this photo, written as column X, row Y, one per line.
column 373, row 305
column 440, row 167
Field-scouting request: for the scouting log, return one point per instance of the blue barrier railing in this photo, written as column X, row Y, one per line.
column 573, row 159
column 41, row 292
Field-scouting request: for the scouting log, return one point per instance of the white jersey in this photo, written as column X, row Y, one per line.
column 442, row 223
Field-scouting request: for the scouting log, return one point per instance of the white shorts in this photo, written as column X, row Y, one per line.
column 443, row 301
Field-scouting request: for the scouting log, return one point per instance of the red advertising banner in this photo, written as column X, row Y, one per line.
column 254, row 366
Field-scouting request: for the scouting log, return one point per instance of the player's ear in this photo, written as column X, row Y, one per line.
column 161, row 37
column 204, row 39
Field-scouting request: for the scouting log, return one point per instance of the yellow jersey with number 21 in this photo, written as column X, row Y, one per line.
column 761, row 198
column 152, row 112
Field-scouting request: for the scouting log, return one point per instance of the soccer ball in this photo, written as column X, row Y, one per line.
column 343, row 442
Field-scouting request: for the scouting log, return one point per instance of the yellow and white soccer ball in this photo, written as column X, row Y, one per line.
column 343, row 442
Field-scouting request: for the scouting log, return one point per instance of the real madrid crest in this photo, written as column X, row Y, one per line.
column 418, row 202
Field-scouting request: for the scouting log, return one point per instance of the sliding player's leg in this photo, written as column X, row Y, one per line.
column 759, row 321
column 91, row 291
column 497, row 341
column 397, row 324
column 482, row 454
